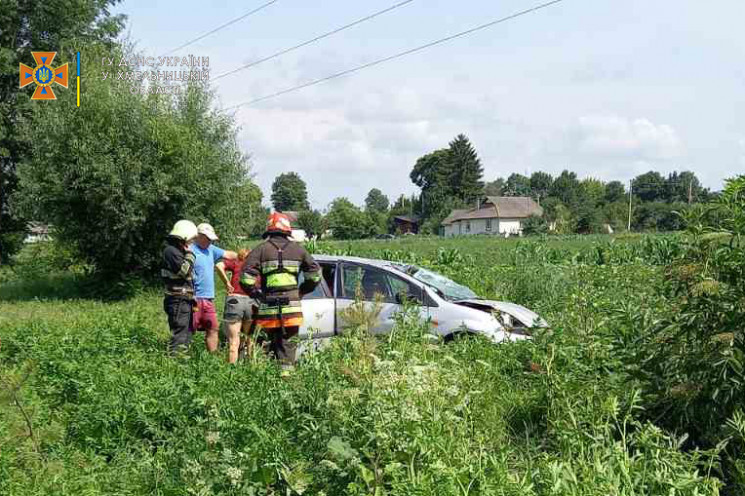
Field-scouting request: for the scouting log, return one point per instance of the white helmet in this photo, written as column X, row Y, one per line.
column 184, row 230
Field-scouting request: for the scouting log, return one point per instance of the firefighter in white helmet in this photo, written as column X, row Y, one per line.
column 177, row 270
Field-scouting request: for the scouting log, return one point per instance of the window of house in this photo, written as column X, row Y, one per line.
column 488, row 224
column 468, row 226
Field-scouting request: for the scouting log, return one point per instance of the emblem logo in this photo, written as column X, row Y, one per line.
column 43, row 75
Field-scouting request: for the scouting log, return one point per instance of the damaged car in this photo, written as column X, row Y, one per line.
column 452, row 309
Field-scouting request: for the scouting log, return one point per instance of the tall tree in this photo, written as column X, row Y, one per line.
column 312, row 222
column 376, row 201
column 289, row 193
column 540, row 184
column 495, row 188
column 517, row 185
column 466, row 170
column 432, row 173
column 591, row 192
column 566, row 188
column 115, row 174
column 649, row 186
column 37, row 25
column 347, row 221
column 682, row 187
column 614, row 191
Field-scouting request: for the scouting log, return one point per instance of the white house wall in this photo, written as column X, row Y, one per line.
column 478, row 226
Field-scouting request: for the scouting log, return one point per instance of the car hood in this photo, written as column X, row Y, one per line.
column 524, row 315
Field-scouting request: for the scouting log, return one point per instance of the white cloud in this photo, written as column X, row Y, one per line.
column 639, row 139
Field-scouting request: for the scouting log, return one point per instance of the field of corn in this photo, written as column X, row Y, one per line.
column 636, row 389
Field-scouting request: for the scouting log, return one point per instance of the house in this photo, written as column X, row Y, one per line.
column 406, row 224
column 37, row 232
column 496, row 215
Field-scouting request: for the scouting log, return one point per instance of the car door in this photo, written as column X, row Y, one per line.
column 381, row 294
column 318, row 312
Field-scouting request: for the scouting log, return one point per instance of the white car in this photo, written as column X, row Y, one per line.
column 452, row 309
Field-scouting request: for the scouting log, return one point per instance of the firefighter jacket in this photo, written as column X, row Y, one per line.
column 279, row 261
column 177, row 271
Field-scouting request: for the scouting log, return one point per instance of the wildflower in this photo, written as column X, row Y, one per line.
column 709, row 287
column 212, row 437
column 234, row 474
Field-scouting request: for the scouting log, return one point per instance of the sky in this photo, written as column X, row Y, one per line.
column 606, row 88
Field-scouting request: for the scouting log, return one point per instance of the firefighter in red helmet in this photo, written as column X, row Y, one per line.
column 278, row 261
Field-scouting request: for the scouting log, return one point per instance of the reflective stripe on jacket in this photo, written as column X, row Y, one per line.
column 280, row 280
column 177, row 271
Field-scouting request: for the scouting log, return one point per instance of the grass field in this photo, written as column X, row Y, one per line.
column 90, row 404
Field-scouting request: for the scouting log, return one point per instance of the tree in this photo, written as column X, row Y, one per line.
column 115, row 174
column 566, row 188
column 591, row 192
column 535, row 224
column 433, row 173
column 495, row 188
column 517, row 185
column 312, row 222
column 616, row 214
column 289, row 193
column 35, row 25
column 649, row 186
column 376, row 201
column 466, row 170
column 589, row 219
column 683, row 187
column 615, row 191
column 540, row 184
column 347, row 221
column 557, row 215
column 243, row 215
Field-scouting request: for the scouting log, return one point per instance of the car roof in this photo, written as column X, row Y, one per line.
column 343, row 258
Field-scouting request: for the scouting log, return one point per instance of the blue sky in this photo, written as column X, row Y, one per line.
column 606, row 88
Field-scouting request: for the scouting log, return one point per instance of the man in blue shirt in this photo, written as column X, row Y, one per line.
column 207, row 255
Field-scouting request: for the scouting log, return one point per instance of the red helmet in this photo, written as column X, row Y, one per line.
column 278, row 223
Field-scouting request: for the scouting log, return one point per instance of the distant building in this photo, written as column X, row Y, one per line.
column 37, row 232
column 496, row 215
column 406, row 224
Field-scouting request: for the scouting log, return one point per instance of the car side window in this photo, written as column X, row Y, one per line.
column 318, row 292
column 404, row 288
column 372, row 283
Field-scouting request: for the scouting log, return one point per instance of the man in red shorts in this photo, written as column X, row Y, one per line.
column 207, row 254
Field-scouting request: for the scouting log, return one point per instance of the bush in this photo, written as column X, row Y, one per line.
column 114, row 175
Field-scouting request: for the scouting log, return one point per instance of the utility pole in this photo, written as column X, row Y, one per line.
column 690, row 191
column 631, row 188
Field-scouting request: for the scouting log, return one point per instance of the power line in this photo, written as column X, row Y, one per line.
column 398, row 55
column 313, row 40
column 223, row 26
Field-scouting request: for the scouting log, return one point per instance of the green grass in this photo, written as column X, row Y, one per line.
column 398, row 415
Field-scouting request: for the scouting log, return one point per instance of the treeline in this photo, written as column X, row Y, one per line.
column 452, row 178
column 113, row 175
column 573, row 205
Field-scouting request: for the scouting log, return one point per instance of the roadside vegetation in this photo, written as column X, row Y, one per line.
column 636, row 389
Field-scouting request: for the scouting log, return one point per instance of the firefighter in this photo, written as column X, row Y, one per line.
column 177, row 272
column 278, row 261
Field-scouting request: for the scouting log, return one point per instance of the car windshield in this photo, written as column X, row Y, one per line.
column 448, row 289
